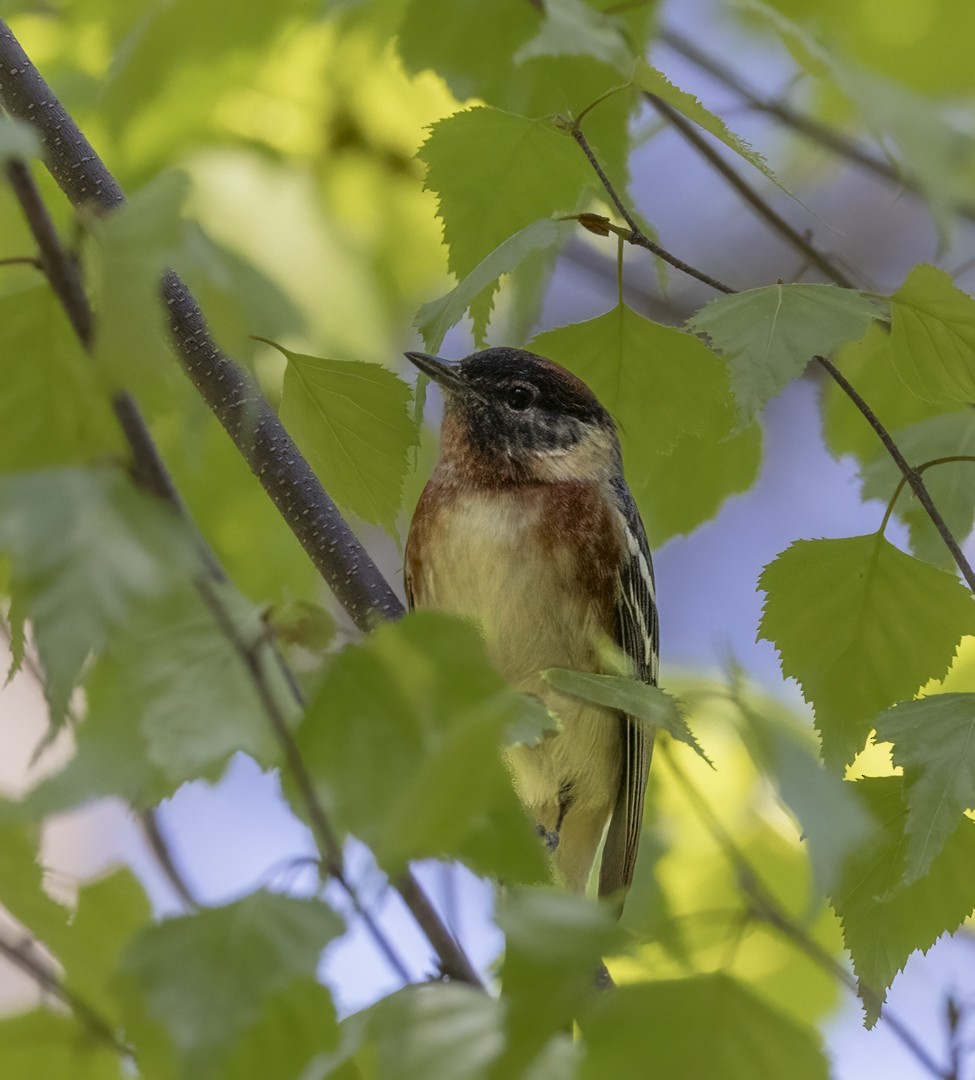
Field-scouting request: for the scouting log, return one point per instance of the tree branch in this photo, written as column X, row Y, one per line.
column 805, row 125
column 912, row 476
column 689, row 132
column 636, row 235
column 231, row 394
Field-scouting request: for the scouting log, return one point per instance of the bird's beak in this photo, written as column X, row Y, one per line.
column 444, row 373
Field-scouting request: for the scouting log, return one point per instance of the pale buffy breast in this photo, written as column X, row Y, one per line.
column 487, row 558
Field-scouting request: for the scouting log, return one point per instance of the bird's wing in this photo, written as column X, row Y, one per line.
column 637, row 634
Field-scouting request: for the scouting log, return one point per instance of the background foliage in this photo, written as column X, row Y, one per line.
column 324, row 178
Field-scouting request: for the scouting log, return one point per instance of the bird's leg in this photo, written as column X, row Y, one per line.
column 552, row 838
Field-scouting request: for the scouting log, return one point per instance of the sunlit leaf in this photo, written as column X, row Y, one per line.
column 769, row 335
column 885, row 921
column 860, row 625
column 49, row 1044
column 706, row 1025
column 352, row 421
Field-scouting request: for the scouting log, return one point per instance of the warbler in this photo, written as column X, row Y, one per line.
column 527, row 528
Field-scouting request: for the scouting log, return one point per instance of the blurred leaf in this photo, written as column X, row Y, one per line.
column 21, row 882
column 934, row 742
column 533, row 723
column 208, row 977
column 295, row 1025
column 706, row 1025
column 495, row 173
column 447, row 1031
column 49, row 387
column 658, row 383
column 435, row 318
column 418, row 710
column 555, row 942
column 649, row 703
column 770, row 335
column 352, row 421
column 951, row 485
column 831, row 817
column 860, row 625
column 303, row 623
column 884, row 921
column 86, row 547
column 932, row 337
column 654, row 82
column 18, row 139
column 868, row 366
column 133, row 246
column 42, row 1045
column 574, row 28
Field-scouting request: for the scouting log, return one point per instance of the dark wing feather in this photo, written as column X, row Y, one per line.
column 637, row 634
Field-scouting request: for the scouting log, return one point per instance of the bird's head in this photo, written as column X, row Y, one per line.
column 522, row 418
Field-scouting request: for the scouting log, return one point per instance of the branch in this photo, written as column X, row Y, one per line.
column 764, row 906
column 911, row 475
column 234, row 399
column 21, row 955
column 636, row 235
column 761, row 207
column 812, row 129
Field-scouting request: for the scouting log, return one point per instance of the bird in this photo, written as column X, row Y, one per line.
column 527, row 528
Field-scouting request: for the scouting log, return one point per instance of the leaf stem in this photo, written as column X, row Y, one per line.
column 918, row 469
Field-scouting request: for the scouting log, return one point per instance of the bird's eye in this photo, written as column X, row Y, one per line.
column 520, row 397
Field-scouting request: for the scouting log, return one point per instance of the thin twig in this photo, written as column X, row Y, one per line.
column 636, row 235
column 21, row 955
column 910, row 475
column 761, row 207
column 834, row 141
column 160, row 847
column 22, row 260
column 764, row 906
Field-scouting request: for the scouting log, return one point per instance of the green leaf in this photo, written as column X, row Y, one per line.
column 86, row 547
column 352, row 421
column 133, row 246
column 49, row 386
column 658, row 383
column 860, row 625
column 494, row 173
column 206, row 978
column 573, row 28
column 417, row 708
column 45, row 1045
column 295, row 1025
column 678, row 491
column 652, row 81
column 868, row 366
column 434, row 319
column 832, row 820
column 706, row 1025
column 533, row 723
column 648, row 703
column 769, row 335
column 450, row 1032
column 555, row 942
column 934, row 742
column 884, row 921
column 932, row 337
column 21, row 882
column 951, row 485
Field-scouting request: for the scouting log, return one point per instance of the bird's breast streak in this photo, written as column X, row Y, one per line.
column 488, row 560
